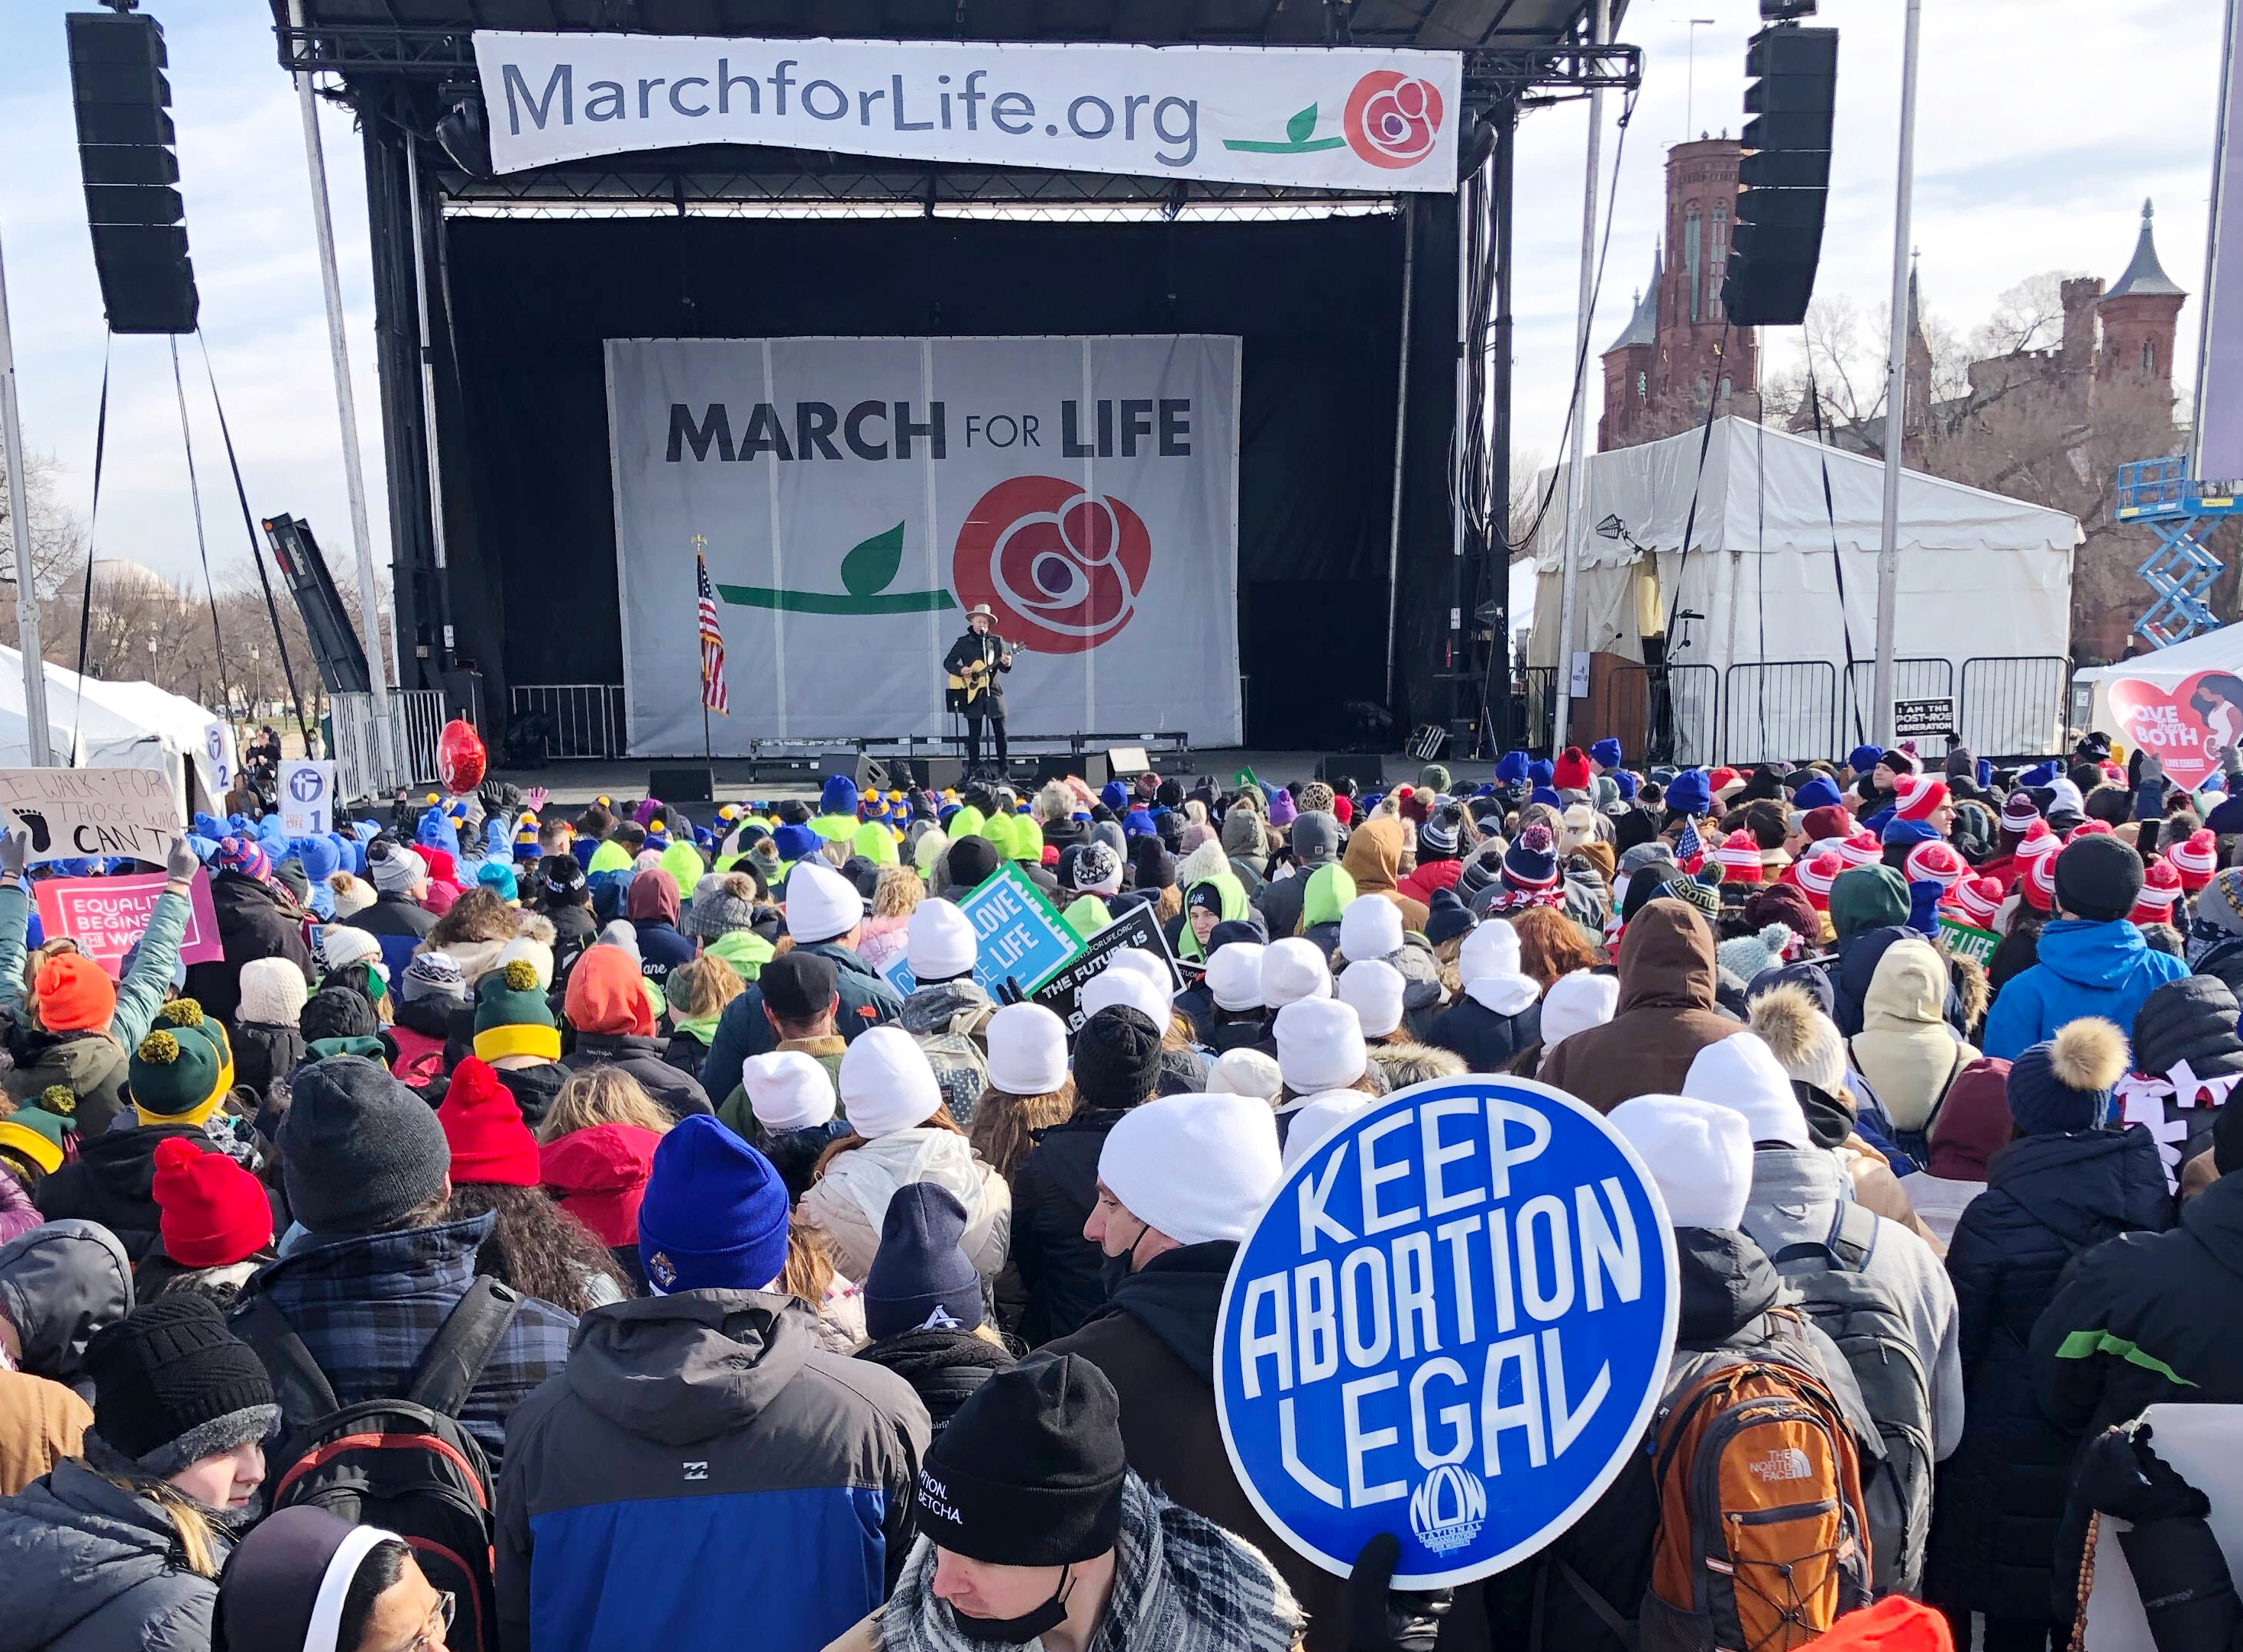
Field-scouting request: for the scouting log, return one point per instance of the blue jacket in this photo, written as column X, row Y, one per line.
column 702, row 1459
column 2086, row 969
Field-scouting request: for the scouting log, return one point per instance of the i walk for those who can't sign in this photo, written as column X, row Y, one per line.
column 1452, row 1323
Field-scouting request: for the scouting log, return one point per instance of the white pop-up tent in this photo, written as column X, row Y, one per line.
column 2180, row 702
column 91, row 724
column 1981, row 577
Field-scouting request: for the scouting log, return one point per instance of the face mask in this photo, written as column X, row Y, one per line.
column 1017, row 1631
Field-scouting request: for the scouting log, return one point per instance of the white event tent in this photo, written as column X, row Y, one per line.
column 1981, row 577
column 92, row 724
column 2219, row 650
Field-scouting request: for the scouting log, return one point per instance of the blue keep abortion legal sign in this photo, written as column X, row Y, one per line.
column 1452, row 1323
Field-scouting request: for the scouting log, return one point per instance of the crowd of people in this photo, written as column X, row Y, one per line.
column 545, row 1234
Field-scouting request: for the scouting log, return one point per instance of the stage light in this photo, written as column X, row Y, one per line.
column 460, row 134
column 1785, row 10
column 1473, row 154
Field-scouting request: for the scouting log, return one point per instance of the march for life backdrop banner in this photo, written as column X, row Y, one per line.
column 1341, row 118
column 855, row 497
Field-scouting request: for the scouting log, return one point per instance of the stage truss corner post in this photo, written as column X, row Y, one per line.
column 1497, row 731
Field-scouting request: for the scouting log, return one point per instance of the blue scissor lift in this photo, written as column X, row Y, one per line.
column 2161, row 495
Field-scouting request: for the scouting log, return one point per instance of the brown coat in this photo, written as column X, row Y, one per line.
column 1665, row 1017
column 1374, row 859
column 41, row 1422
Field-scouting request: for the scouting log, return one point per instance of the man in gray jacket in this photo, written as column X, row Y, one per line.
column 1316, row 839
column 702, row 1463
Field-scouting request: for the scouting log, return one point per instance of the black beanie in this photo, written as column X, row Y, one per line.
column 920, row 1279
column 561, row 880
column 2097, row 878
column 1117, row 1058
column 1029, row 1472
column 358, row 1152
column 1156, row 867
column 338, row 1011
column 171, row 1386
column 973, row 861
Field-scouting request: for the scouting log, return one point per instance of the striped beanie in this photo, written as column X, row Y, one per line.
column 1861, row 850
column 245, row 856
column 2040, row 843
column 1817, row 875
column 2196, row 858
column 1531, row 864
column 1738, row 856
column 1918, row 795
column 1977, row 899
column 2161, row 889
column 2018, row 813
column 1935, row 863
column 2038, row 884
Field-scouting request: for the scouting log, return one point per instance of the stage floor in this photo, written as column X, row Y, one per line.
column 574, row 784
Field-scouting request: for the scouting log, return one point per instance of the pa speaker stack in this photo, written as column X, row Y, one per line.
column 1793, row 75
column 691, row 785
column 131, row 177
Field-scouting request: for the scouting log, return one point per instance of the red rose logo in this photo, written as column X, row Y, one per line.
column 1392, row 119
column 1062, row 568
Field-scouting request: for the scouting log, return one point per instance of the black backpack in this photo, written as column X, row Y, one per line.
column 406, row 1465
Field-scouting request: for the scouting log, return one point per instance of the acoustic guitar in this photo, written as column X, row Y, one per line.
column 968, row 686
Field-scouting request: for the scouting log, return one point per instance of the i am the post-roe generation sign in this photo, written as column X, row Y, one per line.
column 1452, row 1323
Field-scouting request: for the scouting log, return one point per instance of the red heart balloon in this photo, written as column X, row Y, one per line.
column 2181, row 724
column 459, row 757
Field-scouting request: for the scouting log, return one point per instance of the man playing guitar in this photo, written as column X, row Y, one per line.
column 973, row 663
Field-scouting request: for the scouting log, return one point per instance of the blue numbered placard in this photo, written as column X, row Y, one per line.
column 1452, row 1323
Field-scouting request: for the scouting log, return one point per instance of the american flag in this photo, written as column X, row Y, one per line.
column 713, row 694
column 1689, row 848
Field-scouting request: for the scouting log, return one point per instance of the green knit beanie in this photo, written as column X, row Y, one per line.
column 174, row 1070
column 512, row 1015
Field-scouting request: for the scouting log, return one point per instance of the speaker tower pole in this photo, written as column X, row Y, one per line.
column 1897, row 385
column 19, row 519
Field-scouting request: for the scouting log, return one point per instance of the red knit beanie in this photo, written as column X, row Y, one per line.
column 1893, row 1624
column 75, row 994
column 1571, row 772
column 214, row 1213
column 490, row 1144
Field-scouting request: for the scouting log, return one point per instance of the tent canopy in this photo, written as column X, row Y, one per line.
column 91, row 724
column 2165, row 669
column 1981, row 577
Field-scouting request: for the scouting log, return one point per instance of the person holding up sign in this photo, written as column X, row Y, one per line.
column 73, row 1024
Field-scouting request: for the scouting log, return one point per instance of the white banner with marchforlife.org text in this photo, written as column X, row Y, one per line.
column 1303, row 116
column 855, row 497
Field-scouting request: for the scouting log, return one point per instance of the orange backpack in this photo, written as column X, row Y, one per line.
column 1763, row 1538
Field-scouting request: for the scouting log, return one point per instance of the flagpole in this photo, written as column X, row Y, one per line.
column 700, row 577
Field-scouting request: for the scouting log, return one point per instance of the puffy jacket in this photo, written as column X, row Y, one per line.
column 945, row 1368
column 1053, row 1192
column 2193, row 1019
column 849, row 1202
column 673, row 1088
column 1665, row 1013
column 701, row 1458
column 2086, row 969
column 1373, row 858
column 255, row 920
column 86, row 1566
column 2001, row 1495
column 395, row 914
column 744, row 1029
column 112, row 1182
column 660, row 949
column 1906, row 1049
column 59, row 1284
column 1498, row 1017
column 1155, row 1342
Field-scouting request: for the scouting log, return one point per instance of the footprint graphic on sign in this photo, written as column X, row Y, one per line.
column 36, row 823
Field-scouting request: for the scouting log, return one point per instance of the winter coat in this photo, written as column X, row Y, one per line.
column 660, row 949
column 2086, row 969
column 42, row 1423
column 574, row 929
column 1796, row 1194
column 1732, row 1302
column 1373, row 858
column 2191, row 1020
column 2001, row 1495
column 945, row 1368
column 92, row 1065
column 1853, row 966
column 989, row 649
column 598, row 1175
column 255, row 920
column 1665, row 1014
column 367, row 1307
column 533, row 1087
column 395, row 914
column 86, row 1566
column 2225, row 961
column 476, row 959
column 1280, row 899
column 1498, row 1017
column 59, row 1284
column 685, row 1050
column 744, row 1030
column 947, row 1020
column 1155, row 1342
column 678, row 1093
column 1053, row 1192
column 1429, row 876
column 262, row 1053
column 848, row 1203
column 112, row 1182
column 699, row 1457
column 1905, row 1048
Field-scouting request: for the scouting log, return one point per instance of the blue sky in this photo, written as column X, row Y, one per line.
column 2043, row 125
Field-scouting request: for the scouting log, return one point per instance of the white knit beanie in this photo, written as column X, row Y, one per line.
column 273, row 993
column 1309, row 1120
column 1292, row 970
column 1576, row 1002
column 787, row 1089
column 1246, row 1071
column 539, row 955
column 1196, row 1168
column 1699, row 1155
column 1319, row 1045
column 940, row 941
column 353, row 894
column 887, row 1085
column 1492, row 949
column 1028, row 1050
column 1741, row 1073
column 1373, row 989
column 820, row 904
column 1370, row 927
column 1134, row 989
column 1234, row 975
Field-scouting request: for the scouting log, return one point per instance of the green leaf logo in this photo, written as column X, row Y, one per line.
column 870, row 566
column 1298, row 129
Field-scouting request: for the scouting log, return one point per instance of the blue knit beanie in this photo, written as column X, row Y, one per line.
column 1690, row 793
column 1542, row 771
column 2062, row 1085
column 1862, row 759
column 1606, row 753
column 1138, row 823
column 1625, row 779
column 1544, row 795
column 715, row 1214
column 795, row 842
column 1116, row 796
column 437, row 830
column 1511, row 771
column 920, row 1279
column 840, row 795
column 1818, row 793
column 1911, row 832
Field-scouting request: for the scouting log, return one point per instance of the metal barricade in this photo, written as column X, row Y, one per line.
column 1784, row 708
column 579, row 719
column 1661, row 713
column 1912, row 680
column 373, row 760
column 2015, row 705
column 1541, row 696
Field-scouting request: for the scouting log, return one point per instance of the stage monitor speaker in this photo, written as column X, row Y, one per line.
column 1090, row 767
column 878, row 773
column 1125, row 762
column 930, row 774
column 1792, row 95
column 682, row 785
column 124, row 155
column 1364, row 768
